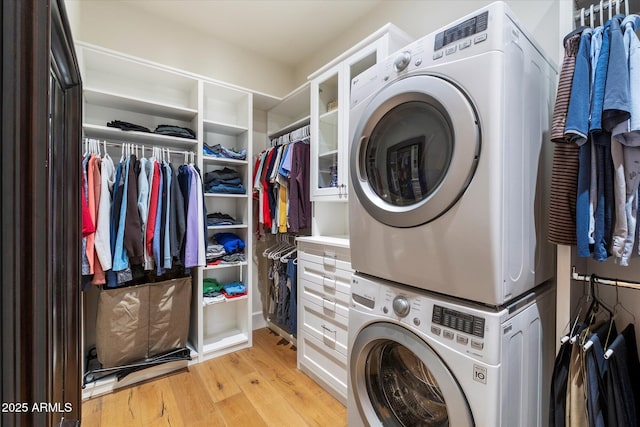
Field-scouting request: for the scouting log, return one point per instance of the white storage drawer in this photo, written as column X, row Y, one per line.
column 325, row 366
column 330, row 259
column 335, row 286
column 328, row 327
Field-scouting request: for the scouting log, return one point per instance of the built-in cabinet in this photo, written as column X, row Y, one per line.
column 120, row 87
column 324, row 291
column 324, row 268
column 330, row 93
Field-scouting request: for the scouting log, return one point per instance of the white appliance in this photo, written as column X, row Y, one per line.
column 420, row 359
column 448, row 144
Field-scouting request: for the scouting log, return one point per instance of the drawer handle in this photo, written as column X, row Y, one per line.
column 329, row 258
column 329, row 330
column 329, row 282
column 328, row 304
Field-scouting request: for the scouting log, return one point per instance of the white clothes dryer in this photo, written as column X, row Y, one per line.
column 420, row 359
column 447, row 161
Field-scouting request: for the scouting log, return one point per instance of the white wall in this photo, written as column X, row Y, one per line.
column 421, row 17
column 111, row 25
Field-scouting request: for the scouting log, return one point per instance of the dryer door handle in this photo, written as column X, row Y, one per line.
column 359, row 163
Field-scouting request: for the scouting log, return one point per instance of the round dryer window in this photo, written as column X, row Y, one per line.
column 415, row 151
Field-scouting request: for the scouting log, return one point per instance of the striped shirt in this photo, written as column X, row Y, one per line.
column 564, row 174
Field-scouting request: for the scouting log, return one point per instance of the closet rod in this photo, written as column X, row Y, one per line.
column 146, row 147
column 603, row 280
column 596, row 8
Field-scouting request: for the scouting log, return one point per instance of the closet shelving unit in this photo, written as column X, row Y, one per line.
column 122, row 87
column 227, row 120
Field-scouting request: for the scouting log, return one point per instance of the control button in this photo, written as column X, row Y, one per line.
column 416, row 321
column 450, row 50
column 462, row 339
column 438, row 55
column 401, row 306
column 465, row 44
column 418, row 62
column 385, row 78
column 385, row 310
column 478, row 345
column 435, row 330
column 448, row 334
column 480, row 38
column 402, row 60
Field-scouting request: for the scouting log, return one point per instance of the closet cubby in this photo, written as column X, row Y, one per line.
column 292, row 113
column 118, row 87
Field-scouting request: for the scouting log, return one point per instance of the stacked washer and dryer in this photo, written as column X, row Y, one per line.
column 451, row 320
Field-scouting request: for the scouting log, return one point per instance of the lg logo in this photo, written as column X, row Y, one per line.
column 480, row 374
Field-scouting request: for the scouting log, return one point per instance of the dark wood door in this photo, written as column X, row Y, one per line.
column 40, row 234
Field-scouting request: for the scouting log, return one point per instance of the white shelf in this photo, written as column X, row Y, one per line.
column 228, row 227
column 330, row 117
column 138, row 105
column 224, row 340
column 225, row 300
column 224, row 195
column 291, row 127
column 224, row 265
column 135, row 137
column 224, row 160
column 223, row 128
column 330, row 153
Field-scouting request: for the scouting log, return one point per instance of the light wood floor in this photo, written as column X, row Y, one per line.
column 259, row 386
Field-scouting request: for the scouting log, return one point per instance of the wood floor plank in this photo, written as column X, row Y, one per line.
column 261, row 386
column 268, row 402
column 193, row 399
column 219, row 382
column 116, row 410
column 238, row 411
column 92, row 412
column 299, row 390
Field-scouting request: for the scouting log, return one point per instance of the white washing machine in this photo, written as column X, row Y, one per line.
column 447, row 161
column 419, row 359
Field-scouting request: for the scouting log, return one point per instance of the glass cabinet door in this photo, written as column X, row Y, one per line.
column 328, row 134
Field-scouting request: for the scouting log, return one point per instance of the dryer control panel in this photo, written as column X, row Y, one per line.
column 471, row 26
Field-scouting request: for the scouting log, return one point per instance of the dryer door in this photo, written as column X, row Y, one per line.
column 398, row 380
column 414, row 151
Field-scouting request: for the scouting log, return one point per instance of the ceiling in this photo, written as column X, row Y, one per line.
column 277, row 29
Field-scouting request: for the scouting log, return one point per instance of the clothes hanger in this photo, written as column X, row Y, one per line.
column 601, row 12
column 609, row 9
column 582, row 17
column 591, row 17
column 622, row 307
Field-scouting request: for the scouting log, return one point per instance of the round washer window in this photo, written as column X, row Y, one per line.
column 408, row 153
column 403, row 391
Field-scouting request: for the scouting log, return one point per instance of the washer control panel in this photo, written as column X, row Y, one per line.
column 461, row 322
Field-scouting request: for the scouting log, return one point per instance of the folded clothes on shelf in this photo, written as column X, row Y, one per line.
column 231, row 242
column 223, row 152
column 172, row 130
column 225, row 180
column 218, row 218
column 211, row 285
column 234, row 288
column 127, row 126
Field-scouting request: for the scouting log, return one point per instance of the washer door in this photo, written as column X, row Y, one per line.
column 414, row 151
column 398, row 380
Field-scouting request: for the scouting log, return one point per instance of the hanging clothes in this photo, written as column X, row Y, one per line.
column 140, row 217
column 603, row 121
